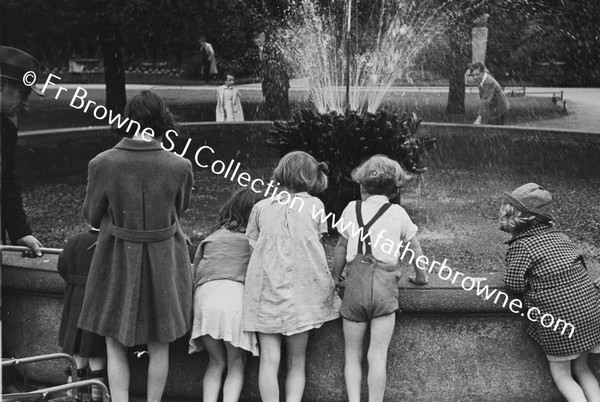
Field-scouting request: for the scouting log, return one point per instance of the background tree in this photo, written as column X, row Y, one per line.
column 108, row 20
column 267, row 17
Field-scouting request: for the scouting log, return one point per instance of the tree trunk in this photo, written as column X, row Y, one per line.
column 275, row 83
column 114, row 69
column 458, row 65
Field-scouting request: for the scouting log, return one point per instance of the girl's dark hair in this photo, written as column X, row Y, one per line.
column 236, row 211
column 148, row 109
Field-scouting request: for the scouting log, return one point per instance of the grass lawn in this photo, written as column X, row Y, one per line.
column 199, row 105
column 456, row 211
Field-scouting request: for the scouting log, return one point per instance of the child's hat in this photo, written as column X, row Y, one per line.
column 532, row 198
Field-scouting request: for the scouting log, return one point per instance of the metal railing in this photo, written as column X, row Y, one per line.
column 42, row 393
column 23, row 249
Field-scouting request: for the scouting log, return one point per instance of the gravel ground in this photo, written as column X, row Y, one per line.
column 456, row 211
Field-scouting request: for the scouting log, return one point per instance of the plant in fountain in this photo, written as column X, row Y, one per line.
column 345, row 141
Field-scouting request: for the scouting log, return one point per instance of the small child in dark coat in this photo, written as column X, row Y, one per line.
column 87, row 348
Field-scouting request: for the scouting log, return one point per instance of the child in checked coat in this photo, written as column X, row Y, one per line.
column 548, row 269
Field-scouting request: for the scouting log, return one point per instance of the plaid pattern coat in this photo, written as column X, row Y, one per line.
column 549, row 270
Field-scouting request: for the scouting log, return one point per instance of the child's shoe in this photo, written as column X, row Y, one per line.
column 96, row 390
column 78, row 393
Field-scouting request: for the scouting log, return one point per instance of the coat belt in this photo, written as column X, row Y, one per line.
column 142, row 236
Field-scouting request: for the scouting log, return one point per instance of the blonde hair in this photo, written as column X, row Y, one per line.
column 299, row 171
column 513, row 220
column 380, row 175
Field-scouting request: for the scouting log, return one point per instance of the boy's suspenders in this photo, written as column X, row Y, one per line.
column 366, row 227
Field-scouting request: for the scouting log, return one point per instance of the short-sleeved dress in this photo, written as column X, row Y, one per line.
column 289, row 287
column 547, row 267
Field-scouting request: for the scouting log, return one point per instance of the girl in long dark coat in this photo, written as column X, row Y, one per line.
column 139, row 289
column 563, row 306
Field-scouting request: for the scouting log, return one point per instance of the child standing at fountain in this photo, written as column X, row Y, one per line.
column 139, row 289
column 219, row 272
column 289, row 289
column 549, row 270
column 88, row 349
column 371, row 287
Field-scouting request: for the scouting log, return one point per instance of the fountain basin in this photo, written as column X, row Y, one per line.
column 48, row 154
column 449, row 344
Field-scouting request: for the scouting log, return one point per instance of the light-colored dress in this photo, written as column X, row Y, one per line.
column 219, row 273
column 289, row 287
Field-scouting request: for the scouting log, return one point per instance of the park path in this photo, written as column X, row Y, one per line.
column 583, row 110
column 583, row 104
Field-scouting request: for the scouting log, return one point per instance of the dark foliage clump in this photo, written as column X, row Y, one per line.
column 345, row 141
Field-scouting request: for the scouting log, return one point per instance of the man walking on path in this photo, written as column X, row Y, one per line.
column 14, row 96
column 208, row 63
column 494, row 104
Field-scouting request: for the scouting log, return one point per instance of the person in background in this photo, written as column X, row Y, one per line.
column 14, row 96
column 229, row 102
column 208, row 63
column 494, row 104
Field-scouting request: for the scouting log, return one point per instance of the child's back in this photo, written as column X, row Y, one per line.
column 562, row 305
column 222, row 255
column 219, row 273
column 371, row 234
column 288, row 285
column 549, row 268
column 394, row 226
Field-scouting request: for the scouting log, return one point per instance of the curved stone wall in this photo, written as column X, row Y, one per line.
column 448, row 345
column 47, row 154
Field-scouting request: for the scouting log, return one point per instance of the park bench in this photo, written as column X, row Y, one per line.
column 85, row 65
column 558, row 98
column 515, row 91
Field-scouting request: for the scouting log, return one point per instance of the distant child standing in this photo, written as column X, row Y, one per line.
column 371, row 287
column 549, row 270
column 219, row 273
column 88, row 349
column 229, row 102
column 289, row 289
